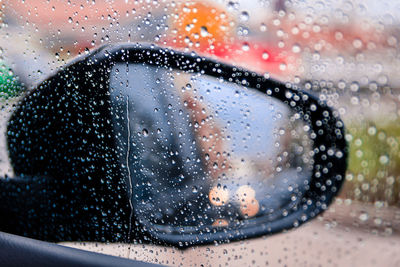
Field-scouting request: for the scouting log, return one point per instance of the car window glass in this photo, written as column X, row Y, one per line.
column 345, row 53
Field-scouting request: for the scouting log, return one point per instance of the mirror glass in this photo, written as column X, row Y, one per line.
column 199, row 152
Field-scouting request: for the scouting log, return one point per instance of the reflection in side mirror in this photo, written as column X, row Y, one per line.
column 149, row 144
column 202, row 153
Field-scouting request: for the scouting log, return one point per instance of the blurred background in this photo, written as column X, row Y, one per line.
column 345, row 52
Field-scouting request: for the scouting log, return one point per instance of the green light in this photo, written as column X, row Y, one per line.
column 9, row 83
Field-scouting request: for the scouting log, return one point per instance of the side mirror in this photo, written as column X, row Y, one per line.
column 141, row 143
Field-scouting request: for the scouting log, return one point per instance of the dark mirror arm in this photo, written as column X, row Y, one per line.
column 23, row 198
column 46, row 209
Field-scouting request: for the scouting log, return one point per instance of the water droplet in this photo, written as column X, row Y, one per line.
column 244, row 16
column 204, row 31
column 354, row 87
column 263, row 27
column 372, row 130
column 363, row 217
column 296, row 48
column 357, row 43
column 265, row 55
column 384, row 159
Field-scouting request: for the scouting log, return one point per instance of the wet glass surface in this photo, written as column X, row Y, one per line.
column 345, row 53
